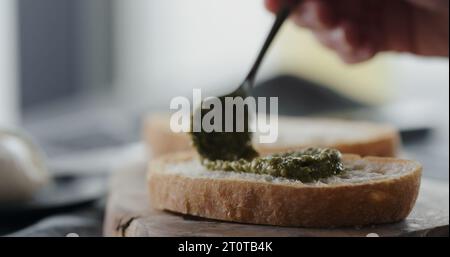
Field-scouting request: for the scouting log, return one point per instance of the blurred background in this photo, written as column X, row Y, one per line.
column 79, row 76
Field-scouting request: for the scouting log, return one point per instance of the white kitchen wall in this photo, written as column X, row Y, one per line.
column 8, row 64
column 166, row 48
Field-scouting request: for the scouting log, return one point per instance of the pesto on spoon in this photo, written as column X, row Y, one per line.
column 228, row 146
column 233, row 146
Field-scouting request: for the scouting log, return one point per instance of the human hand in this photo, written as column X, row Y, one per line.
column 359, row 29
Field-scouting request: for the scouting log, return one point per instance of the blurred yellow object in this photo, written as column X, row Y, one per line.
column 301, row 54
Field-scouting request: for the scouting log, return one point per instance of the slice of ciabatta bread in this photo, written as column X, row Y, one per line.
column 356, row 137
column 373, row 190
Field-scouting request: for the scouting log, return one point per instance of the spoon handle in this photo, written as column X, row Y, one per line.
column 280, row 18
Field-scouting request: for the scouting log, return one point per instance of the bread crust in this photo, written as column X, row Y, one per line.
column 161, row 140
column 375, row 202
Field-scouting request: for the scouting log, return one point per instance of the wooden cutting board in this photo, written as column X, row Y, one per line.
column 129, row 214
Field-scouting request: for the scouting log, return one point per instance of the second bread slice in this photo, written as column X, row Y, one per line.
column 356, row 137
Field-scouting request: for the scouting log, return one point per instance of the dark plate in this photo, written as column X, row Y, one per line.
column 64, row 193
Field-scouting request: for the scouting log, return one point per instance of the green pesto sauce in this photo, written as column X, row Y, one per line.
column 307, row 165
column 233, row 151
column 228, row 146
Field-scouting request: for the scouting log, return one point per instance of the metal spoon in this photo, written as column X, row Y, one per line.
column 234, row 146
column 246, row 86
